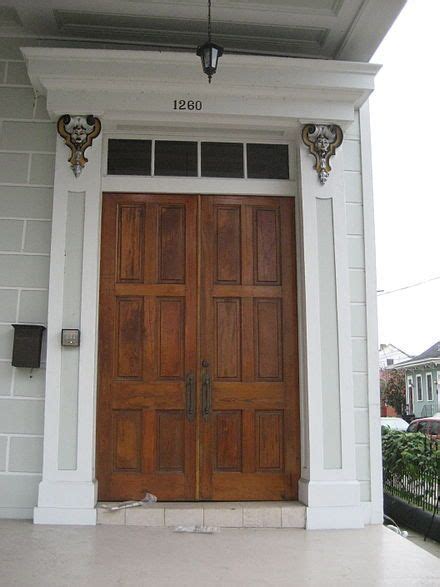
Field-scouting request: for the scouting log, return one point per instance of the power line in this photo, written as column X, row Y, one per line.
column 390, row 291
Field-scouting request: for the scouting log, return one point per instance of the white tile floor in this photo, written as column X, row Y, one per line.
column 67, row 556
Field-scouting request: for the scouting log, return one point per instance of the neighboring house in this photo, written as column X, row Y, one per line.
column 422, row 375
column 213, row 244
column 390, row 355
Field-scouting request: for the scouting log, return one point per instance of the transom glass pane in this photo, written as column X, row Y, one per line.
column 267, row 161
column 222, row 160
column 175, row 158
column 129, row 157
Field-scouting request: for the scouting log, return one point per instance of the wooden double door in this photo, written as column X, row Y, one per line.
column 198, row 381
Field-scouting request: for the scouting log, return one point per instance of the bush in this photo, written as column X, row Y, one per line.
column 411, row 466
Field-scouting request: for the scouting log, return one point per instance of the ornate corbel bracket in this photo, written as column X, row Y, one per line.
column 322, row 141
column 78, row 133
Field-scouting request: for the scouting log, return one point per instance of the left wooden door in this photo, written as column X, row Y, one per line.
column 146, row 438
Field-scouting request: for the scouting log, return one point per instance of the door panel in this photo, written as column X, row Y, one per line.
column 249, row 440
column 186, row 280
column 147, row 347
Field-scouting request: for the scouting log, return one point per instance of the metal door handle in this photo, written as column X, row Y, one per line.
column 190, row 406
column 206, row 391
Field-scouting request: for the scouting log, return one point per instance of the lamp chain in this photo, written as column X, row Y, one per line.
column 209, row 20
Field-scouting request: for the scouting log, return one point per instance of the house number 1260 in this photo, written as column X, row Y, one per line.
column 187, row 105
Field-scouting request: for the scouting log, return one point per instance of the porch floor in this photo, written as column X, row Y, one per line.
column 71, row 556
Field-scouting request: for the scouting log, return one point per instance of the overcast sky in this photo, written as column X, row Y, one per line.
column 405, row 119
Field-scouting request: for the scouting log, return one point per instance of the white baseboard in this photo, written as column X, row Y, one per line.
column 334, row 518
column 16, row 513
column 67, row 516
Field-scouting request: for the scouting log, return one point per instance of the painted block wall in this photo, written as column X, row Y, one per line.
column 358, row 310
column 27, row 153
column 27, row 145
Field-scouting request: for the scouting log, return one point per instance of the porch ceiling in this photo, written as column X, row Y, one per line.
column 325, row 29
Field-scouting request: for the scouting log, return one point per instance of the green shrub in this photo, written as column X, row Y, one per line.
column 411, row 466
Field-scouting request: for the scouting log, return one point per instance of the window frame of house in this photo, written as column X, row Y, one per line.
column 409, row 389
column 429, row 396
column 419, row 388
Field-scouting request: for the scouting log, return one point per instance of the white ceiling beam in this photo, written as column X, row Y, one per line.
column 369, row 28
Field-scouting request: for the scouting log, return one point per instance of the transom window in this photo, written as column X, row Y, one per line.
column 198, row 159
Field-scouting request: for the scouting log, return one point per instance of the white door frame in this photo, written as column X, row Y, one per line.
column 258, row 95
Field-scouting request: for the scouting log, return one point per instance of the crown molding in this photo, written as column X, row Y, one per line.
column 132, row 85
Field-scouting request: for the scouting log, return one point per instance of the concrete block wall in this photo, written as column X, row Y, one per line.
column 356, row 259
column 27, row 155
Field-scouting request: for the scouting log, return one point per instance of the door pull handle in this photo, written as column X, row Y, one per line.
column 206, row 391
column 190, row 405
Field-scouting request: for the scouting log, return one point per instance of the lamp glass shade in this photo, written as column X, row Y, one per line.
column 209, row 54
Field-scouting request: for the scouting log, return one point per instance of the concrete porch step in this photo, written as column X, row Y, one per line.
column 273, row 514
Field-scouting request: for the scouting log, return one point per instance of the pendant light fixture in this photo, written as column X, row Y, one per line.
column 209, row 52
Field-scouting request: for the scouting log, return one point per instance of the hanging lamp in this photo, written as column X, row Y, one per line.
column 209, row 52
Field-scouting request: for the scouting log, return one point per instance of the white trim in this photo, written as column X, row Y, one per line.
column 376, row 485
column 254, row 96
column 429, row 399
column 72, row 491
column 409, row 390
column 198, row 185
column 420, row 362
column 331, row 494
column 437, row 390
column 419, row 378
column 142, row 85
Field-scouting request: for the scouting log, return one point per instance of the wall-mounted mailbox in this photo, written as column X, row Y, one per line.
column 26, row 351
column 70, row 337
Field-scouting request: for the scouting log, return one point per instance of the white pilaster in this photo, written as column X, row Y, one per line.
column 328, row 484
column 68, row 495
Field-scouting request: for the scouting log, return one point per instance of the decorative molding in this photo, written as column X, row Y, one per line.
column 78, row 133
column 140, row 86
column 322, row 141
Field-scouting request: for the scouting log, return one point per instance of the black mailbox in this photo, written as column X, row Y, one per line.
column 27, row 345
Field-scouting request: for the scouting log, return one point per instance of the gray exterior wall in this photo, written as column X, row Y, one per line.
column 424, row 407
column 27, row 146
column 356, row 259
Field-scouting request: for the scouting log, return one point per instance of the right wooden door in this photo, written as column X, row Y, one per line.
column 249, row 438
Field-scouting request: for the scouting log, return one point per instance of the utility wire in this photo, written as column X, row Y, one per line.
column 390, row 291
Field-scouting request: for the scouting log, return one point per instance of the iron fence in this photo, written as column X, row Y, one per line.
column 416, row 481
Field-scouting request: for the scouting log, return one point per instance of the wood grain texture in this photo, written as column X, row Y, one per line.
column 250, row 440
column 171, row 244
column 266, row 246
column 228, row 441
column 171, row 338
column 268, row 326
column 158, row 320
column 127, row 433
column 129, row 343
column 147, row 345
column 130, row 240
column 228, row 338
column 227, row 246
